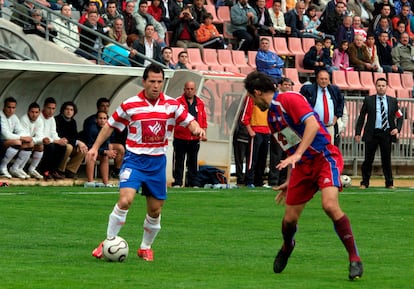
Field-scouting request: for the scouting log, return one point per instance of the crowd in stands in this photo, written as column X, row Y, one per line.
column 189, row 24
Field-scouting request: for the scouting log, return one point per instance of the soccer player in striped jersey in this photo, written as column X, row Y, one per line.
column 313, row 164
column 150, row 117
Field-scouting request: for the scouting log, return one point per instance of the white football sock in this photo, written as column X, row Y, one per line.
column 21, row 160
column 116, row 220
column 151, row 228
column 8, row 156
column 36, row 158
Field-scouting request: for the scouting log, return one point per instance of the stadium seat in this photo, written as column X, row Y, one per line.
column 394, row 81
column 407, row 81
column 194, row 58
column 295, row 45
column 212, row 9
column 352, row 78
column 403, row 93
column 292, row 73
column 300, row 68
column 339, row 79
column 377, row 75
column 307, row 43
column 281, row 47
column 223, row 13
column 225, row 59
column 251, row 58
column 239, row 59
column 366, row 80
column 210, row 57
column 226, row 33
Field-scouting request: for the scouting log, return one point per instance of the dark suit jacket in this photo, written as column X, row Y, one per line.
column 139, row 46
column 369, row 109
column 310, row 92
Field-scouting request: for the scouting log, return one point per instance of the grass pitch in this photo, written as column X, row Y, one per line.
column 209, row 239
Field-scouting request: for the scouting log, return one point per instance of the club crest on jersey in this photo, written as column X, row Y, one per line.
column 153, row 131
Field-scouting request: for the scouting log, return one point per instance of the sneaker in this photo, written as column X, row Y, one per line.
column 35, row 174
column 146, row 254
column 110, row 186
column 17, row 173
column 89, row 185
column 57, row 176
column 251, row 186
column 97, row 252
column 176, row 186
column 281, row 259
column 4, row 173
column 355, row 270
column 267, row 186
column 24, row 173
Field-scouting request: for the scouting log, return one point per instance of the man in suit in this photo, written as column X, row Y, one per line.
column 384, row 122
column 326, row 99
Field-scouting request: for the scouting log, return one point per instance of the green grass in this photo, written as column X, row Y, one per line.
column 209, row 239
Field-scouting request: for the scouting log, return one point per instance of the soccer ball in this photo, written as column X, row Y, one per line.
column 115, row 249
column 346, row 181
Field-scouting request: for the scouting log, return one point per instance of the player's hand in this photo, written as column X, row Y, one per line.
column 91, row 155
column 357, row 138
column 280, row 197
column 199, row 132
column 290, row 160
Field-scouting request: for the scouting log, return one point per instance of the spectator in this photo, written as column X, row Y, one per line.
column 92, row 7
column 184, row 30
column 358, row 30
column 182, row 60
column 54, row 148
column 317, row 58
column 158, row 11
column 359, row 57
column 278, row 19
column 130, row 22
column 311, row 23
column 294, row 20
column 269, row 62
column 326, row 99
column 146, row 46
column 384, row 25
column 117, row 139
column 75, row 148
column 243, row 15
column 373, row 52
column 208, row 35
column 264, row 23
column 172, row 11
column 14, row 141
column 345, row 31
column 111, row 14
column 33, row 126
column 90, row 46
column 198, row 10
column 185, row 143
column 67, row 33
column 362, row 9
column 379, row 5
column 399, row 5
column 256, row 124
column 403, row 54
column 22, row 14
column 384, row 54
column 104, row 152
column 396, row 34
column 340, row 58
column 331, row 21
column 39, row 26
column 166, row 54
column 117, row 32
column 381, row 128
column 403, row 17
column 143, row 19
column 385, row 13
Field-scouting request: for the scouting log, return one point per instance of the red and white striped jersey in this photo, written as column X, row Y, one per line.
column 149, row 125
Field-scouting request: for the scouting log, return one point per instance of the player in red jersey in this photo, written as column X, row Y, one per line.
column 150, row 117
column 313, row 164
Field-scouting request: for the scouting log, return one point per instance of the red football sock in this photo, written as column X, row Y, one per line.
column 288, row 232
column 344, row 231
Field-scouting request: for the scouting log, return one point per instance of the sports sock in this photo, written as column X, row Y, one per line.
column 116, row 220
column 36, row 158
column 151, row 228
column 22, row 157
column 8, row 156
column 288, row 232
column 343, row 229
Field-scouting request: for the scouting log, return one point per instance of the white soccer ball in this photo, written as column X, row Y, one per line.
column 346, row 181
column 115, row 249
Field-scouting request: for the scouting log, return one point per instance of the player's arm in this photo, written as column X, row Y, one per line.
column 195, row 129
column 311, row 129
column 103, row 135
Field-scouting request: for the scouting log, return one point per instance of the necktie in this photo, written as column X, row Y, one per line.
column 325, row 107
column 384, row 117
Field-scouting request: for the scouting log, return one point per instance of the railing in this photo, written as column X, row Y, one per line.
column 52, row 14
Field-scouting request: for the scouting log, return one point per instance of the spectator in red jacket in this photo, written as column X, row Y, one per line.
column 185, row 143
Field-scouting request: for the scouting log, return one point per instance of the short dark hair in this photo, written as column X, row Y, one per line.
column 181, row 53
column 152, row 68
column 258, row 81
column 10, row 99
column 69, row 103
column 49, row 100
column 286, row 79
column 100, row 101
column 34, row 105
column 381, row 79
column 166, row 48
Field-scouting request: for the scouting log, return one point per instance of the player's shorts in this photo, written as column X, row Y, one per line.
column 146, row 172
column 310, row 176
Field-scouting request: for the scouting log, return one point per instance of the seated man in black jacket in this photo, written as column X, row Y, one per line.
column 139, row 46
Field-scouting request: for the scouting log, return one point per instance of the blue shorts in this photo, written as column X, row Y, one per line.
column 148, row 172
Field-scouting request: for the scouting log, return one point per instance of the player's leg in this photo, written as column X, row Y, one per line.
column 120, row 153
column 104, row 169
column 342, row 225
column 22, row 158
column 36, row 158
